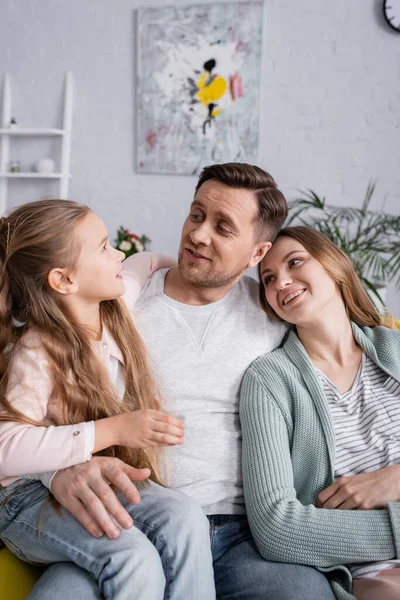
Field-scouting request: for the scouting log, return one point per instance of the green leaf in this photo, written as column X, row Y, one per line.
column 370, row 238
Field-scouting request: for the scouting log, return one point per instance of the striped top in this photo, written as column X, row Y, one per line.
column 366, row 422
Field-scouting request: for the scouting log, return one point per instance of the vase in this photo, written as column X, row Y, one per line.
column 45, row 165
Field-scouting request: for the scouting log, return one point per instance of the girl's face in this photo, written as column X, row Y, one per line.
column 296, row 285
column 97, row 270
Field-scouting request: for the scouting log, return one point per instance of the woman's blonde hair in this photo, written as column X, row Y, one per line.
column 339, row 267
column 34, row 239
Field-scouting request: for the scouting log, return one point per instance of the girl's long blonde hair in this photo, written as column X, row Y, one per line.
column 339, row 267
column 34, row 239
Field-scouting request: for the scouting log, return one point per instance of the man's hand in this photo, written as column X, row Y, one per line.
column 84, row 490
column 364, row 492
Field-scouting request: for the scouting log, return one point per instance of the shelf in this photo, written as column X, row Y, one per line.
column 27, row 175
column 28, row 132
column 25, row 135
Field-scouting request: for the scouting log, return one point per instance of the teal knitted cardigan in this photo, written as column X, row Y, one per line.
column 289, row 457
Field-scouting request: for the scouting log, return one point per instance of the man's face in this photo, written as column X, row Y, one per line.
column 218, row 237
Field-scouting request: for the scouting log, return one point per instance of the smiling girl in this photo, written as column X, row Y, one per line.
column 321, row 423
column 75, row 381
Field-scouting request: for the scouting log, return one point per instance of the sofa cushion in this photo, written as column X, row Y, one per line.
column 16, row 577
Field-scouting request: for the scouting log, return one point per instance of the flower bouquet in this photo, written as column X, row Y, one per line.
column 130, row 243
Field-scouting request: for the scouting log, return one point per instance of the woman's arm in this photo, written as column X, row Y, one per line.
column 283, row 528
column 367, row 491
column 137, row 269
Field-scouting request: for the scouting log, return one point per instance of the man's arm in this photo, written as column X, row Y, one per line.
column 85, row 491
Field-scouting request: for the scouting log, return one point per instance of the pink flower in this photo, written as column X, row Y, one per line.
column 125, row 246
column 139, row 246
column 236, row 86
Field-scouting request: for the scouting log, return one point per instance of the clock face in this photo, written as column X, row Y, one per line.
column 391, row 10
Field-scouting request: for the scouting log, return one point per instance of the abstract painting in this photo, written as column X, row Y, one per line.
column 198, row 86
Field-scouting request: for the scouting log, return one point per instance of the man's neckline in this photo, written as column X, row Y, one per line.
column 213, row 303
column 210, row 305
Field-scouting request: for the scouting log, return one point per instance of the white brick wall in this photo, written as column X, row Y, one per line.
column 330, row 117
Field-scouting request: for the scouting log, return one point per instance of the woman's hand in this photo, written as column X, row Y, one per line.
column 364, row 492
column 146, row 427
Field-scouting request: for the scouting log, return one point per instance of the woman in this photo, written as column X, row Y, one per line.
column 321, row 423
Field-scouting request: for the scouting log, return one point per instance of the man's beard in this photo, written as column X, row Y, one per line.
column 208, row 279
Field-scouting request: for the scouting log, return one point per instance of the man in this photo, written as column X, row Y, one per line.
column 203, row 326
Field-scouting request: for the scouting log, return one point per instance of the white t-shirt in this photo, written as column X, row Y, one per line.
column 200, row 354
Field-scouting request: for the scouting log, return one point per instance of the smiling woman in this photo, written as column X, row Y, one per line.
column 304, row 260
column 320, row 438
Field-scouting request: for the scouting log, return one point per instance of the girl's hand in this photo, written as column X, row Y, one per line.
column 366, row 491
column 146, row 427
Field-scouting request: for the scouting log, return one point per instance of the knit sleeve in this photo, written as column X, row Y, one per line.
column 284, row 529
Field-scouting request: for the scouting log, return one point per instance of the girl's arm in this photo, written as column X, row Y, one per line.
column 25, row 448
column 284, row 529
column 137, row 269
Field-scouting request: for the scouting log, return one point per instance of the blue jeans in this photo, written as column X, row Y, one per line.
column 240, row 572
column 165, row 555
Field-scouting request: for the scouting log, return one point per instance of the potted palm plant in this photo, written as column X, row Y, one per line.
column 371, row 239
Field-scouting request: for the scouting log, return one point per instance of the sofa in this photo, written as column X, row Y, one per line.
column 16, row 577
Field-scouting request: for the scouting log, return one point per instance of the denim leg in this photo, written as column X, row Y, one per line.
column 165, row 555
column 179, row 529
column 241, row 573
column 127, row 567
column 65, row 581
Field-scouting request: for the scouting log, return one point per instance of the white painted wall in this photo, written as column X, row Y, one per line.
column 330, row 116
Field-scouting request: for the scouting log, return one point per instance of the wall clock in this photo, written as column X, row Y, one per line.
column 391, row 10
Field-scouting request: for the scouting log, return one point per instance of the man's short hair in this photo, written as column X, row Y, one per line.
column 272, row 206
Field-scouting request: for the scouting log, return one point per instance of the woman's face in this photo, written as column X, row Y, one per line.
column 296, row 285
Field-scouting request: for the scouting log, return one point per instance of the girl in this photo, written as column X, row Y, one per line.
column 321, row 423
column 75, row 381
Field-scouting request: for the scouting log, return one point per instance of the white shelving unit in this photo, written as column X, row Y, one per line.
column 7, row 133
